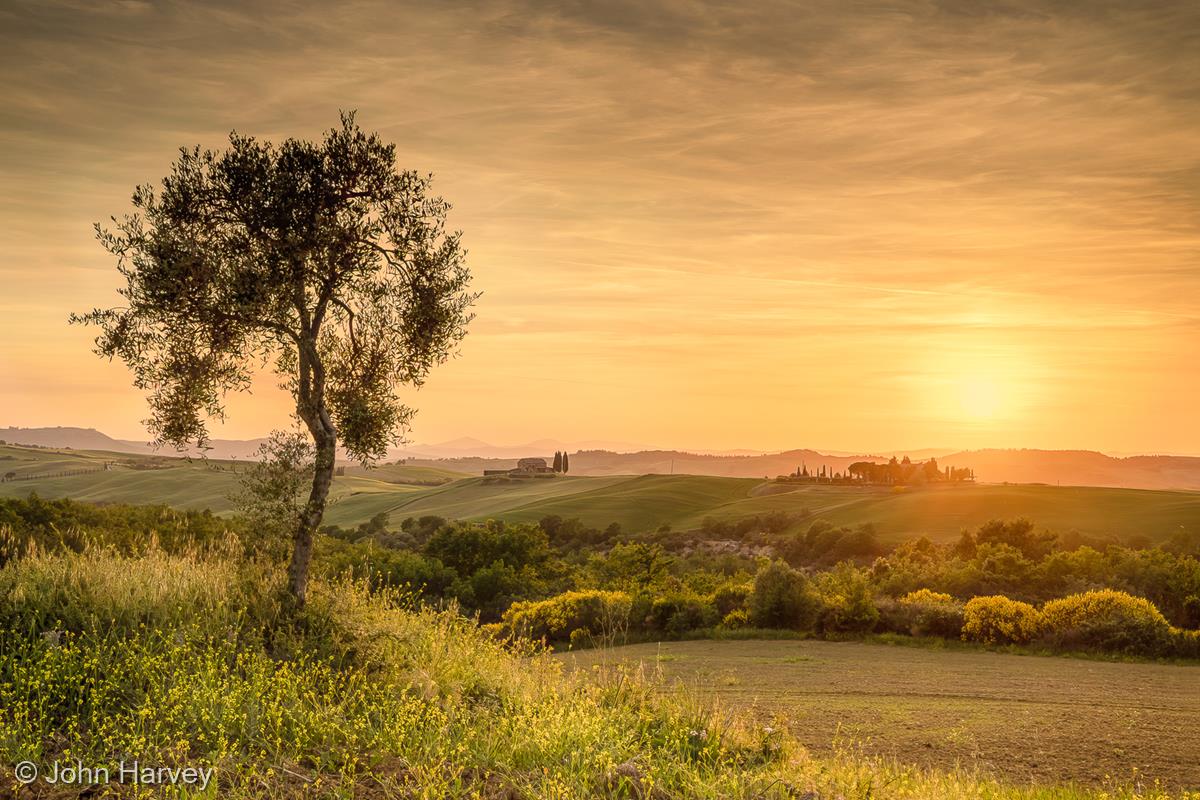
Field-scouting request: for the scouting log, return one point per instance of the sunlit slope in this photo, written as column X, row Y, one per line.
column 403, row 473
column 175, row 482
column 683, row 501
column 645, row 502
column 638, row 504
column 473, row 498
column 942, row 512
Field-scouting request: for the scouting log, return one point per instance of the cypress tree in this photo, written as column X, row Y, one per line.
column 566, row 465
column 558, row 461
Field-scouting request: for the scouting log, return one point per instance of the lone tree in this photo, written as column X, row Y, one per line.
column 319, row 259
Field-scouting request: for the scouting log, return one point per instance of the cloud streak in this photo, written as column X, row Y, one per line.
column 702, row 199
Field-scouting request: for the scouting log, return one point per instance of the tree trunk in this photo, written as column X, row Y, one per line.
column 325, row 440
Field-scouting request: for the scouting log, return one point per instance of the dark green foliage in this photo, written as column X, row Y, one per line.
column 484, row 567
column 54, row 525
column 1167, row 579
column 730, row 596
column 824, row 545
column 1018, row 534
column 771, row 522
column 466, row 547
column 422, row 528
column 384, row 566
column 631, row 567
column 847, row 601
column 783, row 598
column 571, row 533
column 676, row 613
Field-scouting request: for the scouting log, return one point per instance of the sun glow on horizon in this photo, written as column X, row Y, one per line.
column 982, row 397
column 983, row 384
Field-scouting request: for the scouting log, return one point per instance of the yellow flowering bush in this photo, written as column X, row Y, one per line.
column 1108, row 620
column 923, row 597
column 929, row 613
column 998, row 620
column 594, row 612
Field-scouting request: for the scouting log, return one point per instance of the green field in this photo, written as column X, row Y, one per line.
column 1021, row 718
column 638, row 503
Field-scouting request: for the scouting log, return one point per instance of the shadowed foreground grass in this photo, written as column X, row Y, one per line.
column 189, row 661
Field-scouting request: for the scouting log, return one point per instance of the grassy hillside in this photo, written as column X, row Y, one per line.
column 404, row 473
column 941, row 513
column 180, row 483
column 638, row 503
column 684, row 501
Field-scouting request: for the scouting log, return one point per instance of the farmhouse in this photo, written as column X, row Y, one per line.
column 526, row 467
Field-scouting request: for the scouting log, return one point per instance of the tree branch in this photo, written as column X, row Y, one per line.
column 337, row 301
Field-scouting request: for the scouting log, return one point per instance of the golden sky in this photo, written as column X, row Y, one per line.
column 855, row 226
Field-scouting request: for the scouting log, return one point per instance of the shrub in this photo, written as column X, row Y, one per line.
column 738, row 618
column 679, row 612
column 1185, row 643
column 927, row 613
column 999, row 620
column 846, row 600
column 926, row 597
column 730, row 597
column 383, row 566
column 1107, row 620
column 783, row 598
column 598, row 612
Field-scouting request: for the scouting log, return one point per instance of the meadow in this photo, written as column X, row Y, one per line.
column 1019, row 717
column 636, row 503
column 191, row 659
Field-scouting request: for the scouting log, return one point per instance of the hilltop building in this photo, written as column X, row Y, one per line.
column 526, row 468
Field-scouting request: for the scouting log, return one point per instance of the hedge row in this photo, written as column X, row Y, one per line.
column 840, row 602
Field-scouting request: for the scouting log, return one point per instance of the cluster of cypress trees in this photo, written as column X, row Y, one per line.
column 562, row 462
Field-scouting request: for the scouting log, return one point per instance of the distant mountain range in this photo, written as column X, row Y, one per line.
column 1066, row 467
column 92, row 439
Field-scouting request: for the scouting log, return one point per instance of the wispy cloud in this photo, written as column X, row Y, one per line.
column 703, row 199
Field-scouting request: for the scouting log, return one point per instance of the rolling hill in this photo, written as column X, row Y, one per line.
column 637, row 503
column 472, row 457
column 1058, row 467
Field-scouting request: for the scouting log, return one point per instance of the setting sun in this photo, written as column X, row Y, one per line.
column 981, row 397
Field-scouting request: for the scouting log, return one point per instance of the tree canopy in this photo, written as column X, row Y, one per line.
column 320, row 260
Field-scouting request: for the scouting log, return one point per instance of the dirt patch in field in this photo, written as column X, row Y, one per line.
column 1021, row 718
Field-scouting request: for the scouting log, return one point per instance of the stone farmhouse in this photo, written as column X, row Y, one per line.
column 526, row 468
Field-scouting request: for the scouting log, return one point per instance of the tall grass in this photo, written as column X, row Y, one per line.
column 195, row 660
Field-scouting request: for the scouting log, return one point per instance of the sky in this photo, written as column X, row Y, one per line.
column 842, row 225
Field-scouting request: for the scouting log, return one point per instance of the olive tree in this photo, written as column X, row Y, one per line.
column 320, row 260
